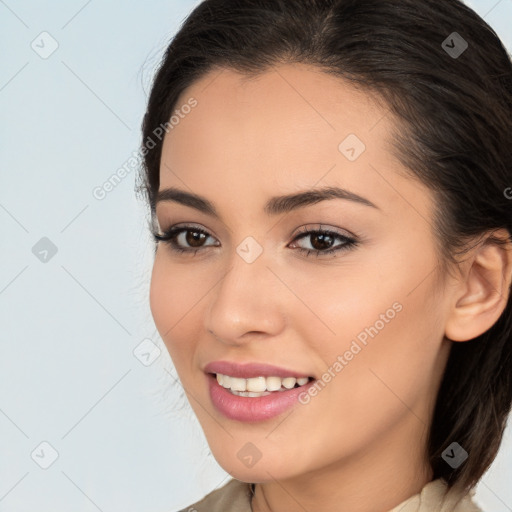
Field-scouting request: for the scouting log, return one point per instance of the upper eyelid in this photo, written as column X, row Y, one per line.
column 325, row 228
column 304, row 228
column 194, row 224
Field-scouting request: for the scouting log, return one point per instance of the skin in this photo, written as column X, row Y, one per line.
column 358, row 445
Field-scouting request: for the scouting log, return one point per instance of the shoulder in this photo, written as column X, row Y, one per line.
column 235, row 496
column 455, row 499
column 435, row 496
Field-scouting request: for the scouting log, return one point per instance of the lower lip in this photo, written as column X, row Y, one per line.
column 252, row 409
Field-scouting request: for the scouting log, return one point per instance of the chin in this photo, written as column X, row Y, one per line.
column 256, row 475
column 266, row 469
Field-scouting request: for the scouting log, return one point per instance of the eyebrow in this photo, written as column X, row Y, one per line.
column 274, row 206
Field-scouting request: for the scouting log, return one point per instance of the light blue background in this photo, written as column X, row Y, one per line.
column 69, row 326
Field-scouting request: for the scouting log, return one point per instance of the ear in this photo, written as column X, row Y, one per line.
column 481, row 295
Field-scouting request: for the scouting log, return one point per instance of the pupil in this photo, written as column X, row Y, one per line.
column 323, row 243
column 193, row 237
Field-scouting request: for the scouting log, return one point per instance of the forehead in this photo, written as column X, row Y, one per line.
column 288, row 106
column 290, row 128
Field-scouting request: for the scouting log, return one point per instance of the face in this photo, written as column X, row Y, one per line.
column 340, row 290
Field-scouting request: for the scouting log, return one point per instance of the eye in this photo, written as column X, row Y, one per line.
column 190, row 239
column 177, row 235
column 322, row 242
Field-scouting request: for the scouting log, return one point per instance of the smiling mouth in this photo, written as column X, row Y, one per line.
column 259, row 386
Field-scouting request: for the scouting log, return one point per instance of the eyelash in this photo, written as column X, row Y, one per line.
column 168, row 238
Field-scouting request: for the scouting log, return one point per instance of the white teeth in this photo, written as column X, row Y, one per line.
column 225, row 381
column 273, row 383
column 249, row 393
column 258, row 386
column 289, row 382
column 239, row 385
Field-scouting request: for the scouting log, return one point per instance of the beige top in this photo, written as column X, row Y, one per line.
column 235, row 496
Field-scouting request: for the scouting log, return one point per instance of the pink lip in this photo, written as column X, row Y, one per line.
column 252, row 409
column 248, row 370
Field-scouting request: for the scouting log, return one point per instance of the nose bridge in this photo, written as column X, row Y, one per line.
column 244, row 299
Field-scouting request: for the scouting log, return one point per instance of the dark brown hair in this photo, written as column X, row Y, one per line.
column 453, row 115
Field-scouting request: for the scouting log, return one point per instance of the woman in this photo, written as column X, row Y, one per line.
column 329, row 187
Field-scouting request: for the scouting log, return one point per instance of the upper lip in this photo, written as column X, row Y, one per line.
column 248, row 370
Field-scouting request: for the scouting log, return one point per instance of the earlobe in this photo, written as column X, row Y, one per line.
column 484, row 290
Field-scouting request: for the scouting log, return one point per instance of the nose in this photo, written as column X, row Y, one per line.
column 246, row 304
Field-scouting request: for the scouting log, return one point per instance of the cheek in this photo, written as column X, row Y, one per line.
column 171, row 301
column 386, row 322
column 178, row 295
column 160, row 296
